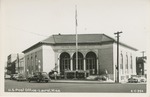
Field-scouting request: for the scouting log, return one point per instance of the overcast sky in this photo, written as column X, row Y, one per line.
column 26, row 22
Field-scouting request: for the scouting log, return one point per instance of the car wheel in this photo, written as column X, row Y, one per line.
column 29, row 80
column 38, row 80
column 46, row 81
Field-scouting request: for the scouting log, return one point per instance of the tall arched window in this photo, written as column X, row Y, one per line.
column 28, row 65
column 64, row 62
column 121, row 62
column 32, row 64
column 127, row 63
column 80, row 61
column 91, row 63
column 131, row 64
column 36, row 65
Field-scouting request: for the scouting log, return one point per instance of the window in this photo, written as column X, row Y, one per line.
column 64, row 62
column 91, row 63
column 131, row 64
column 127, row 63
column 31, row 64
column 28, row 65
column 121, row 63
column 36, row 64
column 80, row 61
column 140, row 66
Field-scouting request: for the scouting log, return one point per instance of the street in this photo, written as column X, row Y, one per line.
column 25, row 86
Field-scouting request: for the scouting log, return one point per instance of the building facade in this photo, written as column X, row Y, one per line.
column 141, row 65
column 15, row 64
column 96, row 54
column 10, row 63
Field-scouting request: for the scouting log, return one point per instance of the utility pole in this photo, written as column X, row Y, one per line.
column 117, row 33
column 143, row 54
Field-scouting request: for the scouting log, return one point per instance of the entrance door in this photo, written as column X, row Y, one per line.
column 91, row 63
column 80, row 61
column 64, row 62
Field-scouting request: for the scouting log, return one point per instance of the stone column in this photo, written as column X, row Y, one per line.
column 84, row 62
column 97, row 66
column 71, row 65
column 57, row 62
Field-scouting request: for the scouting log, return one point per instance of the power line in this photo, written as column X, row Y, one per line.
column 27, row 31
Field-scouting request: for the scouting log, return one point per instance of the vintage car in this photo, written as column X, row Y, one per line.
column 13, row 76
column 133, row 80
column 143, row 79
column 39, row 77
column 21, row 77
column 7, row 76
column 137, row 79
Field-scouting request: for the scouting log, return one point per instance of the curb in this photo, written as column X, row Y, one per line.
column 83, row 82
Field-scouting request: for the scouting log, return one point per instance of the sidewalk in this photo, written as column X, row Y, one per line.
column 82, row 81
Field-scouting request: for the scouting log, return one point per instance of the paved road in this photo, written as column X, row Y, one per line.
column 24, row 86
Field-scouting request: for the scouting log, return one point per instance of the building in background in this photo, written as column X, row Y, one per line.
column 15, row 63
column 97, row 53
column 141, row 63
column 20, row 64
column 10, row 59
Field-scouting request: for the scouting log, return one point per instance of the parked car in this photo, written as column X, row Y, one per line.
column 137, row 79
column 14, row 76
column 101, row 77
column 21, row 77
column 133, row 80
column 143, row 79
column 39, row 77
column 7, row 76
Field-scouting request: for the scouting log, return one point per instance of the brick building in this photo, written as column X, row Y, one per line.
column 96, row 53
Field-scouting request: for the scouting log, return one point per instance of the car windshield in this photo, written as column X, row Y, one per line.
column 44, row 74
column 20, row 75
column 15, row 74
column 134, row 77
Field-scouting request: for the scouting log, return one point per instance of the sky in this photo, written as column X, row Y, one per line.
column 26, row 22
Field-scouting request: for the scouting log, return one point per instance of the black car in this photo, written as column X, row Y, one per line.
column 39, row 77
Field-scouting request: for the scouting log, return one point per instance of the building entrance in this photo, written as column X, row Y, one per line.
column 64, row 62
column 80, row 62
column 91, row 63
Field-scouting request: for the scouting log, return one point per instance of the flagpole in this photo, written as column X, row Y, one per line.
column 76, row 37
